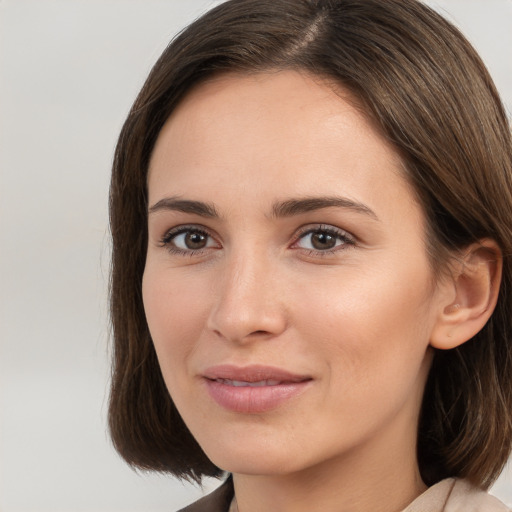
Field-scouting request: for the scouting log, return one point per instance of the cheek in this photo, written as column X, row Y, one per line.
column 375, row 327
column 374, row 356
column 176, row 312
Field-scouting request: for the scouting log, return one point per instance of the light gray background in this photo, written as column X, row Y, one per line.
column 69, row 70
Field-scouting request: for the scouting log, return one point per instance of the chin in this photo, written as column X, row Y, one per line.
column 258, row 464
column 253, row 458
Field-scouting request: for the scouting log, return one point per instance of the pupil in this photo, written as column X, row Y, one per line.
column 323, row 241
column 195, row 240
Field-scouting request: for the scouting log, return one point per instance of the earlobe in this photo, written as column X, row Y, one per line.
column 474, row 284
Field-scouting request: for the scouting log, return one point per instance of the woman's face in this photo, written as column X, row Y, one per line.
column 287, row 287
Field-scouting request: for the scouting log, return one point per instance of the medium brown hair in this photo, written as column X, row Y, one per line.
column 427, row 90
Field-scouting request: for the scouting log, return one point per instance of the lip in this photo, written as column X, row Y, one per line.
column 253, row 389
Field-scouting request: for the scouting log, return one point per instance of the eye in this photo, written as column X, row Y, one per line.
column 188, row 239
column 324, row 239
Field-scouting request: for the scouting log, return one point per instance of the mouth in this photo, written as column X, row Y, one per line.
column 245, row 384
column 253, row 389
column 253, row 374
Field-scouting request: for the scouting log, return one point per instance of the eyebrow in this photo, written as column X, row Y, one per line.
column 185, row 206
column 293, row 207
column 288, row 208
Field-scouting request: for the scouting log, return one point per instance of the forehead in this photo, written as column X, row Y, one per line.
column 282, row 133
column 305, row 104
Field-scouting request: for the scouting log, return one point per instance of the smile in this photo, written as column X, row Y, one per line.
column 253, row 389
column 243, row 383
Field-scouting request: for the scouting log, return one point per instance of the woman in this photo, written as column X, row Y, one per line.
column 311, row 215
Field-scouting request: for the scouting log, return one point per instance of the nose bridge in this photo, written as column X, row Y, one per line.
column 247, row 301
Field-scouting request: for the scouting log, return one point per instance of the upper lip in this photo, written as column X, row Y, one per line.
column 252, row 373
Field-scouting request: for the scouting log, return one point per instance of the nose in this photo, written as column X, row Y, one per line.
column 248, row 305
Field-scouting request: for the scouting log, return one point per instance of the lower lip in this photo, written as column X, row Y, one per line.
column 257, row 399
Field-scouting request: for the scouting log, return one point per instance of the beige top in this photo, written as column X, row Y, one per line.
column 450, row 495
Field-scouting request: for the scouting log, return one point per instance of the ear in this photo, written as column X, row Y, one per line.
column 470, row 295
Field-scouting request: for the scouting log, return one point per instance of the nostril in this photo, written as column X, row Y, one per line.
column 243, row 321
column 250, row 335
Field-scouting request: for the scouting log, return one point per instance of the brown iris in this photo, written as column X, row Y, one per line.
column 195, row 240
column 322, row 241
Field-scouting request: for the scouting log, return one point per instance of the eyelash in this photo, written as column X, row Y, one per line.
column 347, row 240
column 173, row 233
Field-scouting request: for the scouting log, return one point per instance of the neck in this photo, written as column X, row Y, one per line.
column 384, row 478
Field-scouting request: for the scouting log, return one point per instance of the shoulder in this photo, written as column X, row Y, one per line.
column 453, row 495
column 465, row 497
column 217, row 501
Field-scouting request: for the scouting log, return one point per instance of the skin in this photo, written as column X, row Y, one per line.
column 358, row 319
